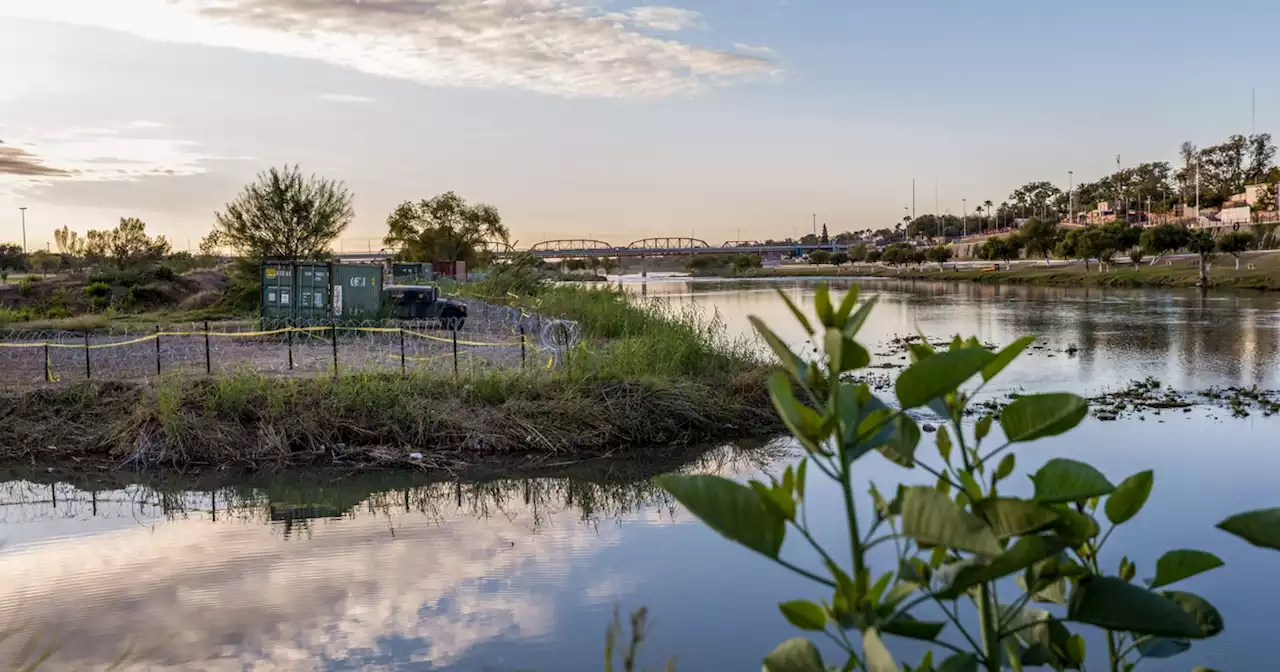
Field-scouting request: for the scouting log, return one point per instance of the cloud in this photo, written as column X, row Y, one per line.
column 560, row 47
column 19, row 162
column 755, row 50
column 344, row 98
column 666, row 18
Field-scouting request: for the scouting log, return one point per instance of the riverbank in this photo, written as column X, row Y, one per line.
column 643, row 383
column 1258, row 271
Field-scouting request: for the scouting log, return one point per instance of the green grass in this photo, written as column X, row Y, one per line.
column 646, row 380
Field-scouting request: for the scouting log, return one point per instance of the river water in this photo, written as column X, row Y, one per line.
column 525, row 574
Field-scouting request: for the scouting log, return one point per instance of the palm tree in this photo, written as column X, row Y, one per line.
column 988, row 205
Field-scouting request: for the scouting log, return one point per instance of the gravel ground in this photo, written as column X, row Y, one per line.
column 309, row 353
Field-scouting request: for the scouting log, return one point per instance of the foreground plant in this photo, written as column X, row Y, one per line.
column 960, row 541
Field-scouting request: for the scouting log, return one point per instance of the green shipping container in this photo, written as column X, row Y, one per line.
column 357, row 291
column 311, row 292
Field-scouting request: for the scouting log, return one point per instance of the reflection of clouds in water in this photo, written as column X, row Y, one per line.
column 235, row 595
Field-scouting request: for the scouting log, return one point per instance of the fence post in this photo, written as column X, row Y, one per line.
column 455, row 351
column 403, row 372
column 48, row 373
column 157, row 349
column 88, row 370
column 522, row 346
column 333, row 330
column 290, row 333
column 208, row 359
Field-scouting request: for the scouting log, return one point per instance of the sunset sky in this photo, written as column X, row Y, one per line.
column 607, row 119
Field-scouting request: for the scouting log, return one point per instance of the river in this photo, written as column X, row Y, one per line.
column 525, row 574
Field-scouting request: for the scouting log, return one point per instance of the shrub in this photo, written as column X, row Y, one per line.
column 953, row 541
column 25, row 288
column 163, row 272
column 98, row 290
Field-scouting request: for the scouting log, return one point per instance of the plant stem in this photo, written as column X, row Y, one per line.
column 855, row 539
column 1112, row 653
column 990, row 634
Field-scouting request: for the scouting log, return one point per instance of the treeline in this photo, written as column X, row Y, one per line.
column 123, row 247
column 1042, row 238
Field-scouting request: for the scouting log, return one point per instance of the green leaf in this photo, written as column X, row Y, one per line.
column 1112, row 604
column 1129, row 497
column 1007, row 463
column 1163, row 647
column 790, row 361
column 970, row 485
column 1024, row 553
column 1014, row 517
column 1074, row 527
column 822, row 305
column 960, row 662
column 1175, row 566
column 1260, row 528
column 1205, row 615
column 1063, row 480
column 800, row 317
column 877, row 656
column 804, row 614
column 1006, row 355
column 846, row 304
column 983, row 427
column 898, row 593
column 1045, row 591
column 794, row 655
column 933, row 377
column 859, row 317
column 803, row 422
column 776, row 500
column 877, row 589
column 1039, row 415
column 929, row 517
column 801, row 472
column 944, row 444
column 1076, row 649
column 845, row 354
column 732, row 509
column 907, row 626
column 901, row 446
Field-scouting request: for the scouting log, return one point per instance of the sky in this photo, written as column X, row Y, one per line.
column 607, row 119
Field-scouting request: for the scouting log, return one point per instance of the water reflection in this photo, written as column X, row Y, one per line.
column 356, row 574
column 1184, row 338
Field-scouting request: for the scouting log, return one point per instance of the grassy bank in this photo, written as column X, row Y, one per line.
column 642, row 383
column 1180, row 272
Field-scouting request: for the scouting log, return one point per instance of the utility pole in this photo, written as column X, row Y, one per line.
column 1197, row 191
column 913, row 199
column 1071, row 195
column 815, row 224
column 964, row 205
column 23, row 209
column 937, row 214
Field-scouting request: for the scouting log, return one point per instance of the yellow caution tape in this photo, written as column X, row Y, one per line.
column 450, row 340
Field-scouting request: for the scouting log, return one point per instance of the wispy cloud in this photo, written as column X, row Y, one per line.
column 344, row 98
column 560, row 47
column 15, row 161
column 755, row 50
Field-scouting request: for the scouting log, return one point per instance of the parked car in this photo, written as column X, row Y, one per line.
column 422, row 303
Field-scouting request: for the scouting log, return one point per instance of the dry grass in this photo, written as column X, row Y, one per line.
column 250, row 422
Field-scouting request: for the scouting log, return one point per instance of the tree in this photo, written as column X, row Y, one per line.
column 1039, row 236
column 1099, row 242
column 12, row 258
column 1202, row 243
column 819, row 257
column 283, row 214
column 1163, row 239
column 825, row 239
column 1235, row 242
column 988, row 205
column 858, row 252
column 940, row 254
column 840, row 258
column 743, row 262
column 42, row 262
column 1135, row 256
column 444, row 227
column 873, row 256
column 128, row 244
column 69, row 243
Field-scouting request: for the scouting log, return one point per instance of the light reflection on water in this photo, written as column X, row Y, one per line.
column 525, row 573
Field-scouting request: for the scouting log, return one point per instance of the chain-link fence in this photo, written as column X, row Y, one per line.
column 491, row 337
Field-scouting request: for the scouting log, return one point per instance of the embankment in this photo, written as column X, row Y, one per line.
column 645, row 382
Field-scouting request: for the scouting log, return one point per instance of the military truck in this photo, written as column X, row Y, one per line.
column 422, row 303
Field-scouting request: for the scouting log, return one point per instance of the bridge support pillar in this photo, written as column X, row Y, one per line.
column 644, row 267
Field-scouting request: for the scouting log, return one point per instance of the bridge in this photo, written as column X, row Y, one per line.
column 659, row 247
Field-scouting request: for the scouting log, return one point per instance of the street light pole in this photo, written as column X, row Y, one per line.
column 1071, row 195
column 964, row 205
column 23, row 209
